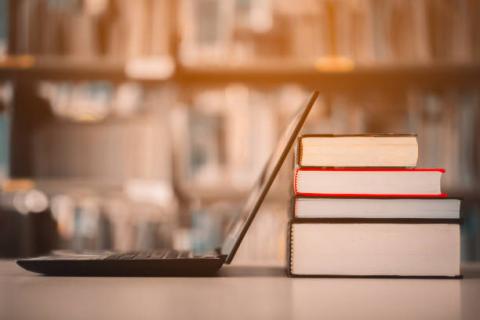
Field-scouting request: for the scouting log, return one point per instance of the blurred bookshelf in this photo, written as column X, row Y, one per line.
column 183, row 101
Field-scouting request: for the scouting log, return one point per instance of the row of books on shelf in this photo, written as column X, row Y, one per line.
column 362, row 208
column 118, row 29
column 222, row 136
column 448, row 126
column 216, row 31
column 123, row 132
column 225, row 138
column 343, row 116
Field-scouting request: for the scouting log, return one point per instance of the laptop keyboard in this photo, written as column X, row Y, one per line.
column 157, row 254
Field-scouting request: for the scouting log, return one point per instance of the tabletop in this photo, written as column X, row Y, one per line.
column 238, row 292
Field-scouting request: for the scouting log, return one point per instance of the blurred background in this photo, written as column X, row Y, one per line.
column 130, row 125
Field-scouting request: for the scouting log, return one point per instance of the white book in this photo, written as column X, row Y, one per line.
column 376, row 208
column 375, row 249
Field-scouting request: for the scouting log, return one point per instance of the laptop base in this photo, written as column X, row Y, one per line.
column 180, row 267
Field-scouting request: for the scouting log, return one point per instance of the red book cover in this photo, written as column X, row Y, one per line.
column 368, row 182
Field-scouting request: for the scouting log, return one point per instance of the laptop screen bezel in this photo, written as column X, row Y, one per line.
column 262, row 186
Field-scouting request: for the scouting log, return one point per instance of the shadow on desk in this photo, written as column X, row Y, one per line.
column 471, row 270
column 9, row 268
column 252, row 271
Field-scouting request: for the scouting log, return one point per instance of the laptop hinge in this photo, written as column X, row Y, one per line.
column 218, row 251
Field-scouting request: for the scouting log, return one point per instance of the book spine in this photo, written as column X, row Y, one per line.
column 299, row 152
column 292, row 190
column 290, row 252
column 295, row 181
column 289, row 248
column 292, row 211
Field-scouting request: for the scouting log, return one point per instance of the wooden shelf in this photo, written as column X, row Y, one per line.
column 61, row 69
column 264, row 74
column 357, row 78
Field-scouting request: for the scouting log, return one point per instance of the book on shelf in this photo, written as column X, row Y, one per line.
column 3, row 27
column 388, row 248
column 119, row 30
column 357, row 150
column 368, row 182
column 365, row 32
column 376, row 208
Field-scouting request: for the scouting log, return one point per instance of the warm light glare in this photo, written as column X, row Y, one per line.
column 334, row 63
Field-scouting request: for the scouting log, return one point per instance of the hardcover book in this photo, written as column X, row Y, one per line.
column 376, row 208
column 372, row 182
column 372, row 249
column 357, row 151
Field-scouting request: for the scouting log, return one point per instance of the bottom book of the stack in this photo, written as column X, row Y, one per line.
column 374, row 248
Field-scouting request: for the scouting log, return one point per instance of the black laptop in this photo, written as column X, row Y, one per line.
column 167, row 262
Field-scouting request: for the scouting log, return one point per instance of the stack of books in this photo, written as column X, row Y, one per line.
column 361, row 208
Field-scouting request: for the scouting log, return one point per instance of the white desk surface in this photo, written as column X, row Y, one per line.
column 237, row 293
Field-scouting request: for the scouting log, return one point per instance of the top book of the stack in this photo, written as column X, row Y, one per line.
column 391, row 150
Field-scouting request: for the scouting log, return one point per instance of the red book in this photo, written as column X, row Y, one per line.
column 371, row 182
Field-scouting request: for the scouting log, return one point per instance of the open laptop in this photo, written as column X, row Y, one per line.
column 169, row 262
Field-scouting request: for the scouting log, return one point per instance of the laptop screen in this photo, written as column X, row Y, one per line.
column 240, row 224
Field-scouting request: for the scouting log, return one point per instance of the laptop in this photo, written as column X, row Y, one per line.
column 168, row 262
